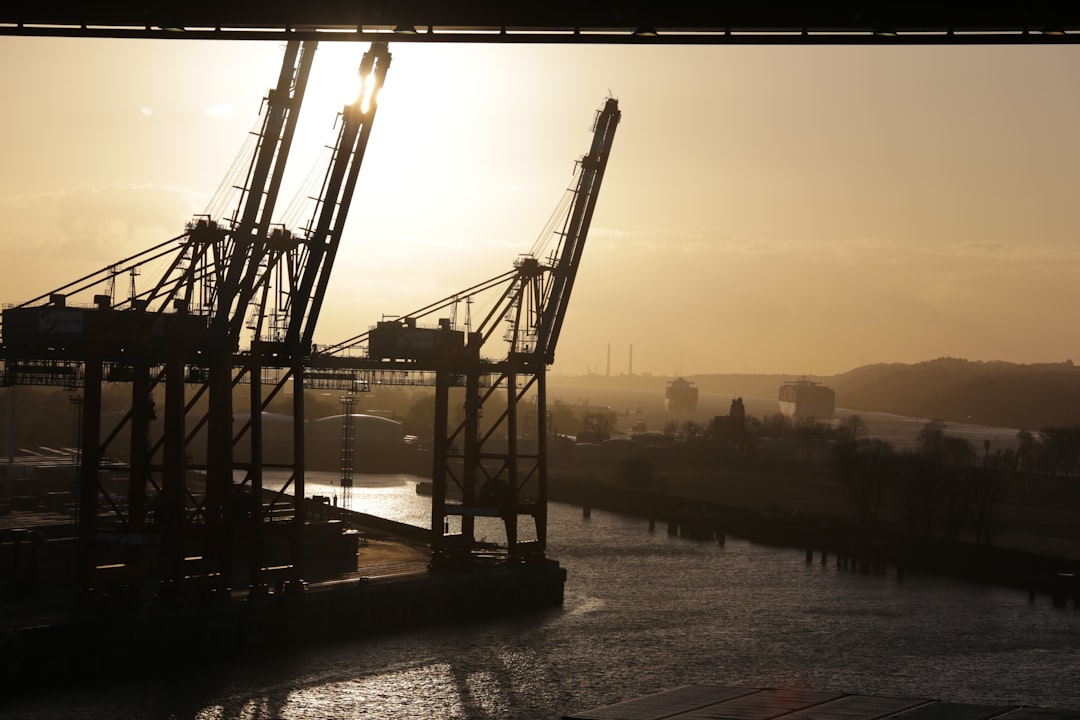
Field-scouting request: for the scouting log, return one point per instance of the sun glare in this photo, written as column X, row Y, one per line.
column 352, row 89
column 334, row 82
column 432, row 209
column 368, row 90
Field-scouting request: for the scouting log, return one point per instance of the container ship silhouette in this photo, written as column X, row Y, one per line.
column 806, row 399
column 681, row 396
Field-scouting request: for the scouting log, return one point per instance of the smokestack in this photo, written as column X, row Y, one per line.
column 631, row 358
column 609, row 359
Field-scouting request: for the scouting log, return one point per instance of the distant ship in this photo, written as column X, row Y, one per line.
column 681, row 395
column 806, row 399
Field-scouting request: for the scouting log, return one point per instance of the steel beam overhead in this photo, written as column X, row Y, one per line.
column 790, row 22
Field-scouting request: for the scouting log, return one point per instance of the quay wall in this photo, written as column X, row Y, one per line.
column 101, row 646
column 53, row 638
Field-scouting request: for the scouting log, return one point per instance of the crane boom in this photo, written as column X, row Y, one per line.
column 495, row 468
column 258, row 203
column 564, row 271
column 335, row 199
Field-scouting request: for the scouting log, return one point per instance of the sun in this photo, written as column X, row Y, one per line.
column 449, row 193
column 334, row 81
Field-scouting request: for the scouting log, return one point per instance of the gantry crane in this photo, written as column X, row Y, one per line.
column 187, row 326
column 496, row 468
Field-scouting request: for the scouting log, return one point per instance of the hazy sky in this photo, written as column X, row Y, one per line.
column 766, row 209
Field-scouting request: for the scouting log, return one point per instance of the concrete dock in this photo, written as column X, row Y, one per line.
column 46, row 633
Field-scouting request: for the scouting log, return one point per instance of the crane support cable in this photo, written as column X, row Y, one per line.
column 557, row 213
column 428, row 309
column 101, row 273
column 220, row 199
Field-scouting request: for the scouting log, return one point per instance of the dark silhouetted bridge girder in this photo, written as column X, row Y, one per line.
column 597, row 21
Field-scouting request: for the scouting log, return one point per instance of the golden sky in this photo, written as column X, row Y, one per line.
column 799, row 210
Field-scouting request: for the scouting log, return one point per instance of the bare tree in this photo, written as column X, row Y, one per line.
column 853, row 428
column 984, row 496
column 866, row 468
column 596, row 427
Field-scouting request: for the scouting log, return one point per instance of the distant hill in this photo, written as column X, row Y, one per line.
column 988, row 393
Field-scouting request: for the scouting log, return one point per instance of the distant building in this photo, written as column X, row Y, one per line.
column 733, row 424
column 378, row 444
column 737, row 415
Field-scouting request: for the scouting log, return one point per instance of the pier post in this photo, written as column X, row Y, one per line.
column 440, row 522
column 299, row 484
column 253, row 510
column 89, row 470
column 10, row 430
column 139, row 464
column 174, row 473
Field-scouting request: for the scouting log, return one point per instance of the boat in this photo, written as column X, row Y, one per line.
column 681, row 395
column 427, row 489
column 807, row 399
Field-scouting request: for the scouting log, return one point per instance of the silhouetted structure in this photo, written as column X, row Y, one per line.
column 498, row 469
column 737, row 415
column 807, row 399
column 227, row 282
column 680, row 396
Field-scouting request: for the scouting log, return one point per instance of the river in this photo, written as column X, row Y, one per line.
column 643, row 612
column 901, row 431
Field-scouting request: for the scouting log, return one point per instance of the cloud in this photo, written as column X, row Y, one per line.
column 68, row 233
column 219, row 110
column 608, row 232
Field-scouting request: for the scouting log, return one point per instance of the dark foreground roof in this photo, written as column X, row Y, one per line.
column 597, row 21
column 698, row 702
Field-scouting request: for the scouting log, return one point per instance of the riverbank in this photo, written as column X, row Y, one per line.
column 808, row 510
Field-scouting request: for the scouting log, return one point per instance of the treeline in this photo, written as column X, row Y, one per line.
column 946, row 487
column 1051, row 451
column 724, row 437
column 941, row 488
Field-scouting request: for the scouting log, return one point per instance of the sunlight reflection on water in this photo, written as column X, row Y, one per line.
column 389, row 496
